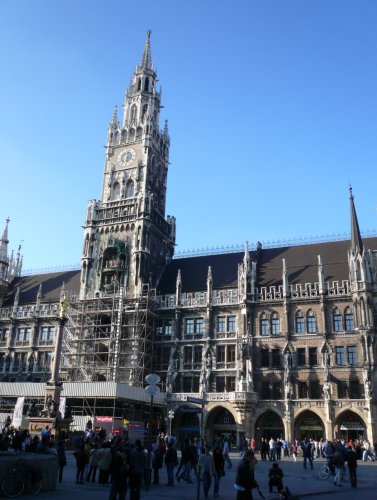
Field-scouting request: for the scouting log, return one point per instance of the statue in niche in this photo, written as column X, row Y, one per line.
column 31, row 362
column 208, row 366
column 367, row 385
column 327, row 390
column 202, row 380
column 246, row 365
column 326, row 365
column 287, row 375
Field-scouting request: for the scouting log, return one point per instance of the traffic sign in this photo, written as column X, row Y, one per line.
column 152, row 390
column 197, row 401
column 190, row 410
column 152, row 379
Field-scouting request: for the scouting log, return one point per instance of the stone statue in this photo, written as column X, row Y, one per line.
column 326, row 365
column 327, row 390
column 367, row 386
column 33, row 410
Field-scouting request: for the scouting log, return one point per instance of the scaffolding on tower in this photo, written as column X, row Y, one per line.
column 109, row 338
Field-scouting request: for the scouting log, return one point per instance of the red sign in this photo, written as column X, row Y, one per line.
column 104, row 419
column 116, row 431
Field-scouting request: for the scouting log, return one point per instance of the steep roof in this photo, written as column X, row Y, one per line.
column 301, row 261
column 51, row 287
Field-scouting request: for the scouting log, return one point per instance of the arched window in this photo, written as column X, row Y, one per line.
column 300, row 322
column 348, row 319
column 133, row 113
column 146, row 85
column 311, row 322
column 144, row 113
column 115, row 191
column 139, row 133
column 139, row 84
column 337, row 325
column 275, row 324
column 264, row 326
column 129, row 189
column 132, row 135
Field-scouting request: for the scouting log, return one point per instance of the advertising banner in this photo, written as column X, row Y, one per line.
column 17, row 414
column 62, row 404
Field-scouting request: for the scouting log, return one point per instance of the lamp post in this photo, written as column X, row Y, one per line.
column 170, row 417
column 152, row 389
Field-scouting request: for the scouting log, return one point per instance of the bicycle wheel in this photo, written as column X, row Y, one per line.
column 34, row 481
column 12, row 485
column 324, row 472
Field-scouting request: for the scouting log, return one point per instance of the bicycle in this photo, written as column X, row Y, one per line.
column 325, row 471
column 21, row 476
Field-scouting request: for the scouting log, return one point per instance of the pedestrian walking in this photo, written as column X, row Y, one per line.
column 294, row 452
column 307, row 452
column 62, row 460
column 226, row 451
column 245, row 480
column 119, row 469
column 208, row 470
column 138, row 467
column 171, row 461
column 104, row 461
column 351, row 459
column 338, row 461
column 218, row 464
column 80, row 456
column 93, row 464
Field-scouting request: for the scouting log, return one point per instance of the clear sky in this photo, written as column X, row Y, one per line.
column 272, row 109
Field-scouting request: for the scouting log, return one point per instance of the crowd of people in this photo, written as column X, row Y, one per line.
column 126, row 465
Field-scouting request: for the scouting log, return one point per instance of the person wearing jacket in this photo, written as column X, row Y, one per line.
column 351, row 459
column 218, row 463
column 245, row 480
column 208, row 469
column 80, row 456
column 171, row 460
column 93, row 464
column 62, row 459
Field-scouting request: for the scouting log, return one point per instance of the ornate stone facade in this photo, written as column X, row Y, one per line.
column 277, row 341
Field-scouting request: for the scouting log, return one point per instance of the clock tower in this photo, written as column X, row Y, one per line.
column 127, row 239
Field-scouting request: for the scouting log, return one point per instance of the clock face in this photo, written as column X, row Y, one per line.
column 126, row 157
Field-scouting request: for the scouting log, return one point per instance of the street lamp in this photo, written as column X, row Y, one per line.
column 170, row 417
column 152, row 390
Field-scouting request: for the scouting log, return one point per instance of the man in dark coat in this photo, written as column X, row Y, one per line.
column 351, row 459
column 245, row 480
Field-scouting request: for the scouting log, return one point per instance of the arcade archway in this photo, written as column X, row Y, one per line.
column 185, row 423
column 350, row 426
column 268, row 425
column 308, row 424
column 221, row 424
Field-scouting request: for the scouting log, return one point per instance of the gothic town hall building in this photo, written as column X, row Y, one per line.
column 277, row 341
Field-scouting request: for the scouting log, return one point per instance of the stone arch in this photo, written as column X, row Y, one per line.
column 350, row 424
column 309, row 423
column 269, row 423
column 220, row 422
column 186, row 422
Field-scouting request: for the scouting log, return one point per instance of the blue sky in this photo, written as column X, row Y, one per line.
column 271, row 105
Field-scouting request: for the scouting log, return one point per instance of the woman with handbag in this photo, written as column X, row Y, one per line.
column 218, row 465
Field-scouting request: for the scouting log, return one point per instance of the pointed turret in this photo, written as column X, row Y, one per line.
column 4, row 261
column 356, row 241
column 146, row 60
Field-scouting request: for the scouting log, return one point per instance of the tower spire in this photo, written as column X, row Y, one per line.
column 356, row 241
column 146, row 60
column 4, row 245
